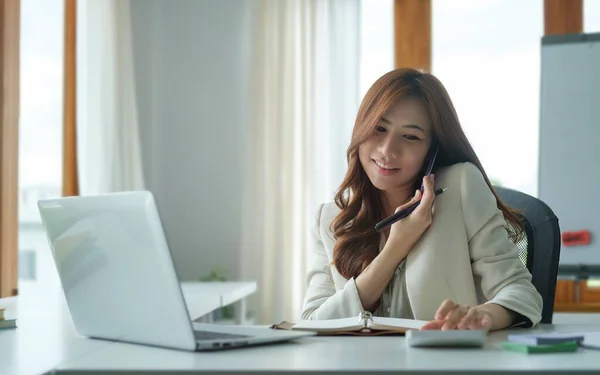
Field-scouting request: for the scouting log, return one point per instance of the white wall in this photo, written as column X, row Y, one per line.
column 190, row 71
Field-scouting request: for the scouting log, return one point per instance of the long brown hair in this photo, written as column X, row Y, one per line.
column 357, row 242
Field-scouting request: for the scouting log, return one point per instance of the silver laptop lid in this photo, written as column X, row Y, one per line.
column 116, row 269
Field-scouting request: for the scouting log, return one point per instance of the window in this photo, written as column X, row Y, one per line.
column 591, row 16
column 40, row 138
column 376, row 41
column 487, row 54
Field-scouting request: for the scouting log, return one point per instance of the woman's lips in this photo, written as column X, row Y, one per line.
column 384, row 169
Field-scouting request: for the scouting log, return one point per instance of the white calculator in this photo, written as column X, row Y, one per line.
column 450, row 338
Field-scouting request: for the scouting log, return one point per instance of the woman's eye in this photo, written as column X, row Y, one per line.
column 380, row 129
column 411, row 137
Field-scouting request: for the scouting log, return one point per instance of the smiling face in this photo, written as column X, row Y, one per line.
column 393, row 155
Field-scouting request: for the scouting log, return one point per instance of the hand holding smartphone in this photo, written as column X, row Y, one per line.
column 408, row 210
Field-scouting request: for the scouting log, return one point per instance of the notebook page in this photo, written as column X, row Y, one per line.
column 380, row 322
column 344, row 324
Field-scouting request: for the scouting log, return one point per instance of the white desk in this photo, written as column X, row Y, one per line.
column 46, row 342
column 336, row 355
column 204, row 297
column 576, row 318
column 45, row 337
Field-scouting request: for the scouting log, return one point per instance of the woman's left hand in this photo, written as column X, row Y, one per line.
column 452, row 315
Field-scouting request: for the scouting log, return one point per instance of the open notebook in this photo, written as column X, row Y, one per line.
column 365, row 324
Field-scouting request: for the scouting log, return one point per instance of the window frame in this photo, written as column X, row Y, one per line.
column 10, row 19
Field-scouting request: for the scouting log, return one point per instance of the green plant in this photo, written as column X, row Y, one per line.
column 215, row 275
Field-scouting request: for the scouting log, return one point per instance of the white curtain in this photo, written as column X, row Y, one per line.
column 304, row 98
column 108, row 145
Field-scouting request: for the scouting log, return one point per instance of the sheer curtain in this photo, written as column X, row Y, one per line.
column 108, row 145
column 304, row 97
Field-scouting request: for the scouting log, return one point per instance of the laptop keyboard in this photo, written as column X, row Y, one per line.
column 207, row 335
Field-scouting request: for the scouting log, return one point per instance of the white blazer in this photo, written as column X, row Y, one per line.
column 465, row 255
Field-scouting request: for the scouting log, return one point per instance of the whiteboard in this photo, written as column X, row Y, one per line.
column 569, row 149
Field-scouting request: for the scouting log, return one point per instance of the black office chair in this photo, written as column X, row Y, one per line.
column 540, row 250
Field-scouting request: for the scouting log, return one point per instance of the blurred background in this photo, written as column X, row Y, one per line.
column 237, row 114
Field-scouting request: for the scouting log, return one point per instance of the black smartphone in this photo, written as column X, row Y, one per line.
column 430, row 161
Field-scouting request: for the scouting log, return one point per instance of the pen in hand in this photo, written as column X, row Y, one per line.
column 402, row 213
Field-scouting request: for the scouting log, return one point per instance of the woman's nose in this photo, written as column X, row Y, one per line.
column 389, row 147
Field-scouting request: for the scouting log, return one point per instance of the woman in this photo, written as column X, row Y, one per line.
column 452, row 261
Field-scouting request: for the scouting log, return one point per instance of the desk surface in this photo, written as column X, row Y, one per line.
column 338, row 355
column 46, row 340
column 203, row 297
column 45, row 336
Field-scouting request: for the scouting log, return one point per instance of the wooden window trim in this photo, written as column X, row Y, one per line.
column 563, row 17
column 412, row 34
column 9, row 144
column 70, row 184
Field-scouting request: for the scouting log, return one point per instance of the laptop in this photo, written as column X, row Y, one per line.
column 118, row 277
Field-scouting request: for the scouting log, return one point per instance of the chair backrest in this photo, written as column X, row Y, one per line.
column 540, row 250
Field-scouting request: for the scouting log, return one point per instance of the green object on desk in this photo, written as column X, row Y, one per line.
column 569, row 346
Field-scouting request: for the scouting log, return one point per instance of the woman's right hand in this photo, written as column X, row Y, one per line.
column 411, row 228
column 402, row 237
